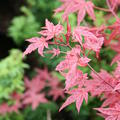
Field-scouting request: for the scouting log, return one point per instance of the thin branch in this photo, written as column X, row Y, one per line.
column 103, row 9
column 101, row 77
column 53, row 43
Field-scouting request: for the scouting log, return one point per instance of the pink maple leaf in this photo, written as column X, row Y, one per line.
column 33, row 95
column 116, row 46
column 4, row 108
column 114, row 3
column 112, row 113
column 115, row 31
column 110, row 99
column 103, row 83
column 35, row 99
column 17, row 98
column 56, row 93
column 83, row 61
column 53, row 82
column 117, row 87
column 36, row 43
column 116, row 59
column 55, row 52
column 63, row 65
column 73, row 77
column 43, row 74
column 15, row 107
column 94, row 44
column 77, row 95
column 72, row 58
column 91, row 41
column 80, row 6
column 51, row 30
column 34, row 85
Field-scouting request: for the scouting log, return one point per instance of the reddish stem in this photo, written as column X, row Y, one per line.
column 101, row 78
column 103, row 9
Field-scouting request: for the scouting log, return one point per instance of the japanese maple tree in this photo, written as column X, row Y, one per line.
column 80, row 42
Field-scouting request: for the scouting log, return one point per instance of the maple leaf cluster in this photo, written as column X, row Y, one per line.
column 108, row 86
column 80, row 6
column 35, row 93
column 5, row 108
column 114, row 3
column 50, row 31
column 86, row 40
column 73, row 58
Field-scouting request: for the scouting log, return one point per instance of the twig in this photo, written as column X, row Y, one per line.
column 101, row 77
column 103, row 9
column 49, row 115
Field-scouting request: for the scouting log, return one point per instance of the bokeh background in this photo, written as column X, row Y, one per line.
column 22, row 19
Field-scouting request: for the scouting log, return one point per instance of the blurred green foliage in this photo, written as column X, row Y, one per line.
column 100, row 3
column 99, row 18
column 11, row 74
column 25, row 26
column 42, row 112
column 29, row 22
column 72, row 20
column 13, row 116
